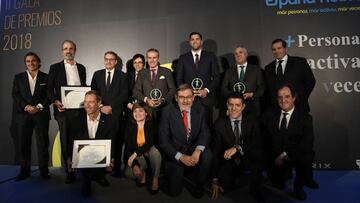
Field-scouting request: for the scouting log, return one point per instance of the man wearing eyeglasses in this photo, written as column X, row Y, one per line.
column 184, row 136
column 111, row 84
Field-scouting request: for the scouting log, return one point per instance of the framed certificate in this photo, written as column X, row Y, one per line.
column 91, row 153
column 72, row 97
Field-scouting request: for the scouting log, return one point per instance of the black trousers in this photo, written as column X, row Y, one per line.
column 175, row 172
column 64, row 120
column 26, row 125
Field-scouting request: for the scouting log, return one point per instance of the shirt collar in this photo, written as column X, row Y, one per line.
column 111, row 71
column 67, row 63
column 234, row 119
column 37, row 71
column 285, row 58
column 197, row 52
column 289, row 112
column 97, row 118
column 245, row 64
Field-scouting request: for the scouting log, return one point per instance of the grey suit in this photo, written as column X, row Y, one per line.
column 254, row 82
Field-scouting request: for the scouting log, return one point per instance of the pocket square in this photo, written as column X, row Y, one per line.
column 41, row 84
column 162, row 77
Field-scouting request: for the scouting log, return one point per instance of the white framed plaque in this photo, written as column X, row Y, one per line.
column 72, row 97
column 91, row 153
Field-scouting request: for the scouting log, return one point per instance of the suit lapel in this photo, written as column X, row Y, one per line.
column 25, row 81
column 288, row 66
column 62, row 72
column 229, row 131
column 100, row 129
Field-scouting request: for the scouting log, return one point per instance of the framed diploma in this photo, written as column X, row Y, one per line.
column 72, row 97
column 91, row 153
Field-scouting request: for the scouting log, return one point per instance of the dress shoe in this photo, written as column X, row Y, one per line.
column 312, row 184
column 70, row 178
column 103, row 182
column 22, row 176
column 153, row 192
column 299, row 194
column 258, row 196
column 45, row 176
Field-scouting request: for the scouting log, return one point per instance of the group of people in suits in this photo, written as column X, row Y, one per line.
column 166, row 123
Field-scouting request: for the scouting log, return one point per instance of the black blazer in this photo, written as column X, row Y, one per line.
column 172, row 138
column 117, row 95
column 208, row 71
column 131, row 139
column 131, row 83
column 22, row 95
column 297, row 139
column 298, row 74
column 224, row 138
column 79, row 130
column 57, row 78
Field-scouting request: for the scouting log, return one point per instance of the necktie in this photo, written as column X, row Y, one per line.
column 283, row 122
column 197, row 60
column 136, row 75
column 279, row 70
column 186, row 124
column 140, row 137
column 237, row 132
column 242, row 73
column 153, row 76
column 108, row 80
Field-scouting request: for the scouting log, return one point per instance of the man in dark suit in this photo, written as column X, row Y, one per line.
column 199, row 64
column 111, row 84
column 286, row 69
column 248, row 74
column 90, row 125
column 237, row 146
column 65, row 73
column 292, row 136
column 184, row 136
column 31, row 108
column 154, row 77
column 138, row 62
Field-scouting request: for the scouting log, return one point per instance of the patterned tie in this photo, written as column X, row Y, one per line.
column 153, row 76
column 283, row 122
column 197, row 60
column 108, row 81
column 237, row 132
column 279, row 70
column 186, row 124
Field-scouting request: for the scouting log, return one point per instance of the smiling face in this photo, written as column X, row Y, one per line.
column 139, row 114
column 285, row 99
column 240, row 55
column 32, row 64
column 235, row 107
column 153, row 59
column 278, row 50
column 68, row 50
column 195, row 42
column 91, row 105
column 138, row 64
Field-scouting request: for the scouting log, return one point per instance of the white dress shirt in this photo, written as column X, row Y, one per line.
column 111, row 74
column 283, row 63
column 288, row 116
column 92, row 126
column 72, row 74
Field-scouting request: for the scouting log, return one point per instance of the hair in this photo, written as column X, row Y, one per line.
column 241, row 47
column 94, row 92
column 138, row 56
column 142, row 106
column 34, row 55
column 291, row 88
column 236, row 96
column 112, row 53
column 68, row 41
column 153, row 50
column 195, row 33
column 283, row 43
column 183, row 87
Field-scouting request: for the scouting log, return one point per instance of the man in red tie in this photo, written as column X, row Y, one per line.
column 183, row 138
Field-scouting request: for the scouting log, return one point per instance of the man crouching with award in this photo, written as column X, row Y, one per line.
column 91, row 134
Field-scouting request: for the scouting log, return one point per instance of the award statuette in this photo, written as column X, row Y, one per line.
column 197, row 85
column 155, row 94
column 239, row 87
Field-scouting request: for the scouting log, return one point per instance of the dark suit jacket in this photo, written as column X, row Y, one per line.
column 298, row 74
column 164, row 82
column 253, row 81
column 131, row 83
column 116, row 97
column 79, row 130
column 208, row 71
column 57, row 78
column 22, row 95
column 172, row 138
column 224, row 138
column 131, row 139
column 297, row 139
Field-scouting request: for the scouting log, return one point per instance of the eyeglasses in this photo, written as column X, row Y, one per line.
column 185, row 98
